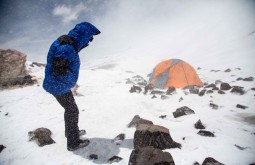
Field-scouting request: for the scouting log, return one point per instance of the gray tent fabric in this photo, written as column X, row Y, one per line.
column 174, row 61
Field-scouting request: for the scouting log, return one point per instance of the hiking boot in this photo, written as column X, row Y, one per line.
column 81, row 132
column 83, row 143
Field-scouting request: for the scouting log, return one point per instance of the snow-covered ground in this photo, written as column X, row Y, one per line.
column 106, row 108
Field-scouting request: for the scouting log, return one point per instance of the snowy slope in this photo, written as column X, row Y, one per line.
column 106, row 108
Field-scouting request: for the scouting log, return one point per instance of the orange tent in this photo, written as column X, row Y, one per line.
column 174, row 73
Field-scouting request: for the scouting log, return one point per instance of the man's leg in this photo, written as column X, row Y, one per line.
column 71, row 117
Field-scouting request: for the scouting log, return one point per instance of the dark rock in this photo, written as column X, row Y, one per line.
column 150, row 156
column 136, row 89
column 237, row 90
column 163, row 97
column 206, row 83
column 209, row 91
column 38, row 64
column 211, row 86
column 238, row 68
column 253, row 89
column 23, row 80
column 2, row 147
column 93, row 157
column 162, row 116
column 194, row 90
column 239, row 79
column 206, row 133
column 147, row 88
column 225, row 86
column 180, row 99
column 114, row 159
column 153, row 135
column 196, row 163
column 241, row 106
column 215, row 88
column 157, row 92
column 183, row 138
column 42, row 136
column 211, row 161
column 183, row 111
column 240, row 148
column 248, row 79
column 154, row 97
column 199, row 125
column 199, row 68
column 228, row 70
column 118, row 139
column 213, row 106
column 6, row 114
column 139, row 80
column 170, row 90
column 136, row 121
column 202, row 92
column 221, row 92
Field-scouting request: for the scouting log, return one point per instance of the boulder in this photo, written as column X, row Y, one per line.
column 136, row 121
column 213, row 106
column 150, row 156
column 153, row 135
column 221, row 92
column 227, row 70
column 114, row 159
column 211, row 161
column 210, row 86
column 253, row 89
column 248, row 79
column 42, row 136
column 215, row 88
column 12, row 65
column 241, row 106
column 148, row 87
column 237, row 90
column 199, row 125
column 239, row 79
column 2, row 147
column 135, row 89
column 194, row 90
column 225, row 86
column 118, row 139
column 93, row 157
column 183, row 111
column 206, row 133
column 202, row 92
column 209, row 91
column 162, row 116
column 170, row 90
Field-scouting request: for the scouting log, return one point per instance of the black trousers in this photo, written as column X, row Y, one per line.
column 71, row 117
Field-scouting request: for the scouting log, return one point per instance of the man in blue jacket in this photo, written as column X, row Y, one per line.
column 61, row 74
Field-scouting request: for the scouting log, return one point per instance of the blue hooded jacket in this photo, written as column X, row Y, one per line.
column 60, row 84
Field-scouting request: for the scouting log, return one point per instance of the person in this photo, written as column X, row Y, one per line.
column 61, row 74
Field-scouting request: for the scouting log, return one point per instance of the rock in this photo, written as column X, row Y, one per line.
column 202, row 92
column 154, row 97
column 228, row 70
column 248, row 79
column 148, row 87
column 240, row 148
column 211, row 86
column 12, row 65
column 2, row 147
column 183, row 111
column 136, row 121
column 157, row 92
column 114, row 159
column 199, row 125
column 37, row 64
column 170, row 90
column 138, row 80
column 206, row 133
column 136, row 89
column 153, row 135
column 118, row 139
column 213, row 106
column 194, row 90
column 150, row 156
column 199, row 68
column 162, row 116
column 180, row 99
column 253, row 89
column 93, row 157
column 215, row 88
column 6, row 114
column 221, row 92
column 241, row 106
column 237, row 90
column 196, row 163
column 42, row 136
column 211, row 161
column 225, row 86
column 163, row 97
column 239, row 79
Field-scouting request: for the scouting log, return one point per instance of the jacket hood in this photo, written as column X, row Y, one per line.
column 82, row 33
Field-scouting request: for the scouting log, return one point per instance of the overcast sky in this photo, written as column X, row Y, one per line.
column 168, row 25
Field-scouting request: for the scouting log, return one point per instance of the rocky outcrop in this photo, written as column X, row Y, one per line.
column 183, row 111
column 12, row 66
column 150, row 156
column 153, row 135
column 211, row 161
column 136, row 121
